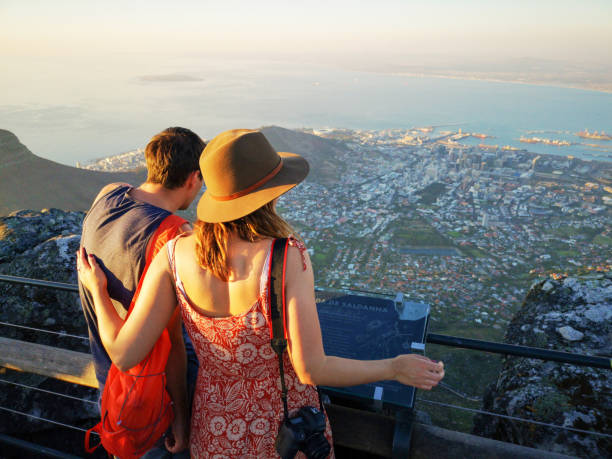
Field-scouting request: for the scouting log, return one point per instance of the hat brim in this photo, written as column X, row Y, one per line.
column 295, row 169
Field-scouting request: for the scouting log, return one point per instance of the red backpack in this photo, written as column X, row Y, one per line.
column 136, row 407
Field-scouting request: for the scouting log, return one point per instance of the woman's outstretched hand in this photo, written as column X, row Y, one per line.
column 418, row 371
column 90, row 274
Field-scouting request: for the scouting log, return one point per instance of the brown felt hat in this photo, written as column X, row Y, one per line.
column 242, row 172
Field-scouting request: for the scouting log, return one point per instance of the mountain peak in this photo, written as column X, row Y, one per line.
column 30, row 182
column 11, row 149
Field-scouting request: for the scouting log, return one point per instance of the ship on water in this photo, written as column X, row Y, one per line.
column 554, row 142
column 594, row 135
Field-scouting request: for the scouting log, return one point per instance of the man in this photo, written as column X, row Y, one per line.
column 118, row 229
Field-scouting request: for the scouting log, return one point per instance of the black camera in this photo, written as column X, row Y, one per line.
column 305, row 431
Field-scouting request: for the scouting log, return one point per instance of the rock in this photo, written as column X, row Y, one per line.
column 570, row 334
column 53, row 260
column 23, row 230
column 570, row 282
column 41, row 245
column 599, row 313
column 578, row 313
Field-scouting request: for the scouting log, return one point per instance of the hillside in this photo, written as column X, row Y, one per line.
column 323, row 155
column 30, row 182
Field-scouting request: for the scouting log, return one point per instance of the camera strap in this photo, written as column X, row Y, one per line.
column 276, row 293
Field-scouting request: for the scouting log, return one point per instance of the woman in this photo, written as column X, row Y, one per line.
column 217, row 275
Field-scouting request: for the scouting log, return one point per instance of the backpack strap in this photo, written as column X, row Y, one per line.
column 168, row 229
column 88, row 446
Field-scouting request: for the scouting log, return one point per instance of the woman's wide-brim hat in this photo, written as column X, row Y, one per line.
column 242, row 172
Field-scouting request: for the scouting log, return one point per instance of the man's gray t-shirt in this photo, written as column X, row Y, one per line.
column 116, row 230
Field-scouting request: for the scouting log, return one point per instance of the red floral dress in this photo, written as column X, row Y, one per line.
column 237, row 404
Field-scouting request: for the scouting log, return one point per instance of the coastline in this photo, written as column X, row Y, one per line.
column 499, row 80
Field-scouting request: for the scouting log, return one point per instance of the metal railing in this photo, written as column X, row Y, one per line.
column 445, row 340
column 521, row 351
column 433, row 338
column 39, row 283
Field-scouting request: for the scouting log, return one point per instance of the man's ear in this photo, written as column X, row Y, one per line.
column 195, row 179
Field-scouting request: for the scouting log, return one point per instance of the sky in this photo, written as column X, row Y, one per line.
column 468, row 29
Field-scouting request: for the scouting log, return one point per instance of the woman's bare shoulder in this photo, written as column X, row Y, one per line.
column 185, row 245
column 185, row 239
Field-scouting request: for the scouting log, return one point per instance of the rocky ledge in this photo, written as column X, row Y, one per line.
column 41, row 245
column 572, row 315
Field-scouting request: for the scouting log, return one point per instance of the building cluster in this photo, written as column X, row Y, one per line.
column 130, row 160
column 463, row 228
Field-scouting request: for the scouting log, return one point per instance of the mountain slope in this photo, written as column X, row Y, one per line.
column 30, row 182
column 326, row 157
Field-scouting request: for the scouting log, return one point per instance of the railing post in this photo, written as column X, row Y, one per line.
column 402, row 435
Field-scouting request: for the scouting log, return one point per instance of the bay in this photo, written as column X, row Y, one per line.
column 79, row 109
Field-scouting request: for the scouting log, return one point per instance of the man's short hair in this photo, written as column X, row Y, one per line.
column 172, row 155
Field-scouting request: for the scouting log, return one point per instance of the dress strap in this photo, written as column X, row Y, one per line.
column 263, row 281
column 170, row 248
column 293, row 242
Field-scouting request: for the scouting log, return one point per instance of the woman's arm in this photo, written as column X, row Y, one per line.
column 176, row 371
column 306, row 346
column 127, row 343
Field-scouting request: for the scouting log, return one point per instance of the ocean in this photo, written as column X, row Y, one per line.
column 70, row 110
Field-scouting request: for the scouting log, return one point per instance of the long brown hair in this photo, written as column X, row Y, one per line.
column 212, row 238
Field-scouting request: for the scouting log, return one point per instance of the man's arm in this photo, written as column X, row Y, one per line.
column 176, row 383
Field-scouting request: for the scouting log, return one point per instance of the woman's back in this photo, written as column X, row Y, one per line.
column 237, row 405
column 212, row 296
